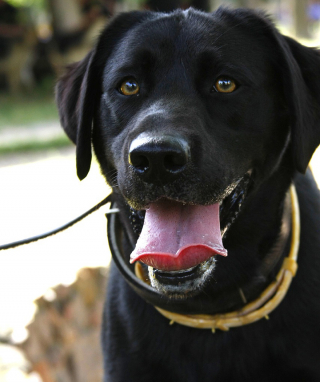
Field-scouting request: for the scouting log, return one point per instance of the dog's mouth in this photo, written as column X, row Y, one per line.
column 179, row 242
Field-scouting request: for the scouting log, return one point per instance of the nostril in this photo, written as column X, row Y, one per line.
column 174, row 162
column 159, row 157
column 138, row 161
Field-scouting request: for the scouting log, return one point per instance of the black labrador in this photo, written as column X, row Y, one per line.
column 201, row 124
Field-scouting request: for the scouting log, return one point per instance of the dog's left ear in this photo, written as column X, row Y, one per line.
column 302, row 90
column 299, row 70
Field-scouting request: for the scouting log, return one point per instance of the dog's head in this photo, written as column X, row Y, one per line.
column 188, row 111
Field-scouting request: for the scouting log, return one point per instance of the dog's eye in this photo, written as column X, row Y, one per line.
column 129, row 87
column 225, row 85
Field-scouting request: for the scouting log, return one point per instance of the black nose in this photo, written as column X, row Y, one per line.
column 159, row 157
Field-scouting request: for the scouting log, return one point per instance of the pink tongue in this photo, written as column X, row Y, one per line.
column 176, row 236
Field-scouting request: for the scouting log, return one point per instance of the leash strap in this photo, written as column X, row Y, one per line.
column 134, row 275
column 18, row 243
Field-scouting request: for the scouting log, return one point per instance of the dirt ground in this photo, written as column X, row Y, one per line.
column 36, row 196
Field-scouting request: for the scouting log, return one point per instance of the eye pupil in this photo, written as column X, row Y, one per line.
column 225, row 85
column 129, row 87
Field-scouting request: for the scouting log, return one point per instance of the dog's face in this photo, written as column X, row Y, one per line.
column 191, row 113
column 203, row 95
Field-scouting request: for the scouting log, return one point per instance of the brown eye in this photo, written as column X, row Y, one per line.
column 225, row 85
column 129, row 87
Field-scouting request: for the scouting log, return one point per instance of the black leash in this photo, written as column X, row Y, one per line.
column 200, row 303
column 15, row 244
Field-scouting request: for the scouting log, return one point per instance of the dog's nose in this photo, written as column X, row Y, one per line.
column 159, row 157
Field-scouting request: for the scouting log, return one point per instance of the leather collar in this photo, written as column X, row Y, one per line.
column 118, row 235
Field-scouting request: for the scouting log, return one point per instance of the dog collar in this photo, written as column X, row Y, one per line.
column 182, row 311
column 257, row 309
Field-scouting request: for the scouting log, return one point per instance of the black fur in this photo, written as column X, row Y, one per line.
column 268, row 128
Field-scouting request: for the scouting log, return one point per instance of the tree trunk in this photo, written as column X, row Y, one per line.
column 301, row 18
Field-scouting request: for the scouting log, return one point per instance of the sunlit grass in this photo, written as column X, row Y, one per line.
column 19, row 147
column 30, row 107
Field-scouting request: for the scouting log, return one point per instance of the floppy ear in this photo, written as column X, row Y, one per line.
column 75, row 93
column 78, row 91
column 299, row 68
column 301, row 81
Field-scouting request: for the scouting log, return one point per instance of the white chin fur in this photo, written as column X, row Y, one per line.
column 184, row 288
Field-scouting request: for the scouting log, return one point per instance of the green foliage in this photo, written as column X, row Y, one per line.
column 136, row 3
column 40, row 4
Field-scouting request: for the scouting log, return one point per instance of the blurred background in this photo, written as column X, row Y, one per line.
column 51, row 292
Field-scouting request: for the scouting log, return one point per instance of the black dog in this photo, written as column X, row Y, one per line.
column 197, row 118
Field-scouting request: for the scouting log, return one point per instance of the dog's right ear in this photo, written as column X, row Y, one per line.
column 78, row 91
column 76, row 108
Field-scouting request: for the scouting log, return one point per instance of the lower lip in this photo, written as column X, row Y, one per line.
column 186, row 258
